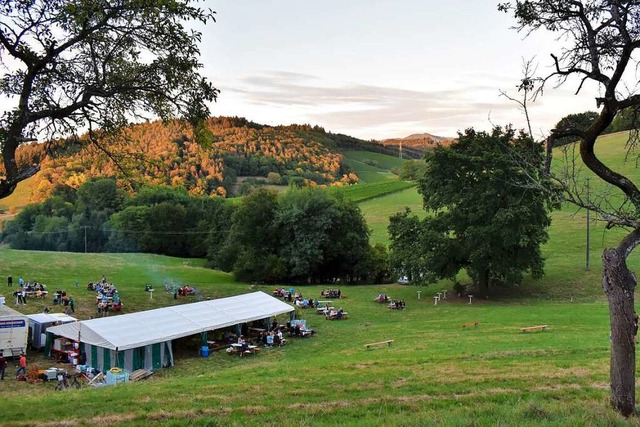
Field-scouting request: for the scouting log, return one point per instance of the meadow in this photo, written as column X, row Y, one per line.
column 440, row 370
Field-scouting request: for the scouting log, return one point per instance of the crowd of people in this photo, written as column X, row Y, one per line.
column 382, row 298
column 397, row 304
column 107, row 297
column 60, row 297
column 331, row 293
column 26, row 289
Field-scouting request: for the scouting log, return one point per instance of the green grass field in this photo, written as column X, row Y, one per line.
column 383, row 161
column 437, row 372
column 372, row 167
column 440, row 370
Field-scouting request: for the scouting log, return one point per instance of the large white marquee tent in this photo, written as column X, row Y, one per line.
column 143, row 339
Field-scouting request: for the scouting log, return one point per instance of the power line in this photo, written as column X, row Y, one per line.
column 106, row 229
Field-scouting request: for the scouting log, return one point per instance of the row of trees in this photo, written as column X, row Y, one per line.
column 303, row 236
column 100, row 217
column 625, row 120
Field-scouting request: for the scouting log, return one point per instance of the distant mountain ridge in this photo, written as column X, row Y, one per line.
column 427, row 136
column 415, row 145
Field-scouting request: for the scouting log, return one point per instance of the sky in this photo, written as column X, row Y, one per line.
column 377, row 69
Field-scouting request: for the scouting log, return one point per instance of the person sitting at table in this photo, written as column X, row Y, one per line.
column 269, row 339
column 274, row 325
column 339, row 314
column 244, row 345
column 279, row 337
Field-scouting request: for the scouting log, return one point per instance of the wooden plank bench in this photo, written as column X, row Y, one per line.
column 534, row 328
column 388, row 342
column 140, row 374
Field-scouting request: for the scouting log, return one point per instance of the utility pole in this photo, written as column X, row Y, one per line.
column 588, row 223
column 85, row 238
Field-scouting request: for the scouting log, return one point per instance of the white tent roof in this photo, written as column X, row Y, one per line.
column 168, row 323
column 51, row 318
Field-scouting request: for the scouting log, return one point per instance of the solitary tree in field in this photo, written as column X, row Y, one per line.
column 94, row 65
column 600, row 43
column 484, row 217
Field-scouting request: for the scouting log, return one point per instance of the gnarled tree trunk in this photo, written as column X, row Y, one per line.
column 619, row 283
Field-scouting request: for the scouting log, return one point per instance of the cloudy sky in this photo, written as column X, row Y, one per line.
column 377, row 69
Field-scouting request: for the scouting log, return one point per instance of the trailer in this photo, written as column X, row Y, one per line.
column 14, row 332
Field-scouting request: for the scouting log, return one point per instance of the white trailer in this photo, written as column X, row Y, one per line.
column 14, row 331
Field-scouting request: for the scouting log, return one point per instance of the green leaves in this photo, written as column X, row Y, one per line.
column 98, row 65
column 489, row 206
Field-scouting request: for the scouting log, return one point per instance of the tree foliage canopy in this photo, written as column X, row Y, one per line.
column 484, row 216
column 305, row 236
column 95, row 65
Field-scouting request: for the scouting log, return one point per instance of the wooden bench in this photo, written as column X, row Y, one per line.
column 140, row 374
column 534, row 328
column 388, row 342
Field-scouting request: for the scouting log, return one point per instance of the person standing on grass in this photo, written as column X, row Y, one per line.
column 9, row 281
column 3, row 365
column 635, row 327
column 21, row 281
column 22, row 365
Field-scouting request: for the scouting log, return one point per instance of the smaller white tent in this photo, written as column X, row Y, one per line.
column 38, row 324
column 143, row 339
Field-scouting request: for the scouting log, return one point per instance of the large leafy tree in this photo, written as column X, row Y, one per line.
column 483, row 215
column 94, row 65
column 574, row 121
column 322, row 237
column 600, row 40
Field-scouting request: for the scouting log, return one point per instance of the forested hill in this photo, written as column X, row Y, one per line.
column 167, row 154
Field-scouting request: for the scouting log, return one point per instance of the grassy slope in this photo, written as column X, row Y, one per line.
column 11, row 205
column 436, row 373
column 383, row 161
column 370, row 173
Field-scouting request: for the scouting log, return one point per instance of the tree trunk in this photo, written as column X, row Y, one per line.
column 619, row 283
column 483, row 283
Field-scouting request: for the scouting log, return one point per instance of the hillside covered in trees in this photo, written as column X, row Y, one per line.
column 160, row 153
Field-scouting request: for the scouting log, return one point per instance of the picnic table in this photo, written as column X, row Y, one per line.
column 237, row 349
column 324, row 310
column 37, row 294
column 335, row 316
